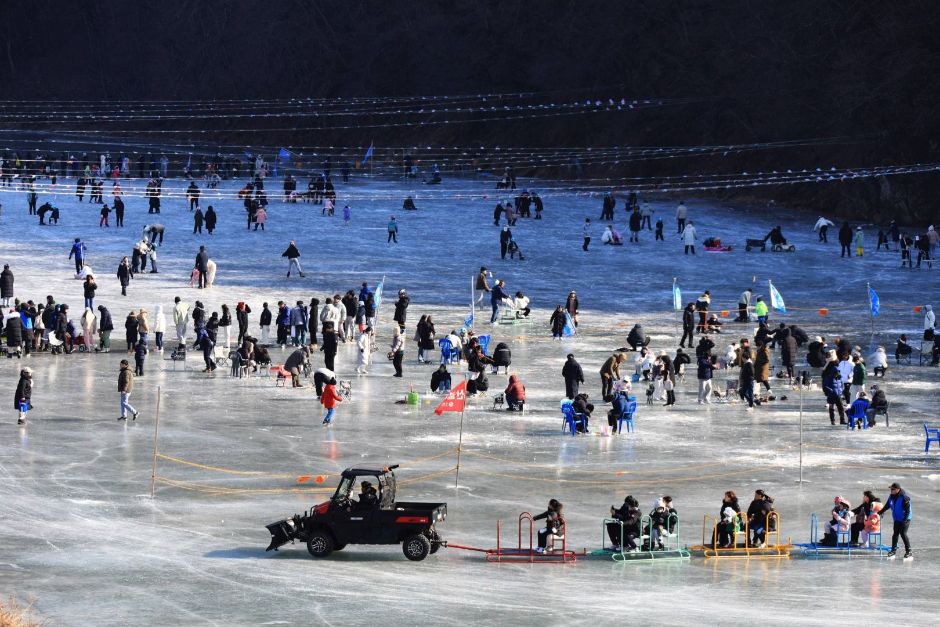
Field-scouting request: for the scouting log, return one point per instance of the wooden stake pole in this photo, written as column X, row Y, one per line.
column 156, row 427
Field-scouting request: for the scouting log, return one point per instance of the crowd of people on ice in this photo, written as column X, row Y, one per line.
column 35, row 326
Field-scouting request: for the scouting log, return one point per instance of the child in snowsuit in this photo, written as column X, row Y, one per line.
column 659, row 231
column 140, row 354
column 872, row 524
column 330, row 399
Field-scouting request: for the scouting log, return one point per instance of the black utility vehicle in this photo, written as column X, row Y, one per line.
column 375, row 518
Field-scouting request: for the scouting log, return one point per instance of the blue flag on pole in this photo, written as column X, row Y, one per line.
column 776, row 300
column 874, row 302
column 676, row 297
column 368, row 153
column 468, row 321
column 569, row 329
column 378, row 295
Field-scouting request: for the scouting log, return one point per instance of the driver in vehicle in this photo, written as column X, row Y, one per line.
column 368, row 497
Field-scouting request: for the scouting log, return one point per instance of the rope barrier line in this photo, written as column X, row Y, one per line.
column 594, row 472
column 251, row 473
column 230, row 471
column 227, row 491
column 432, row 475
column 657, row 481
column 199, row 487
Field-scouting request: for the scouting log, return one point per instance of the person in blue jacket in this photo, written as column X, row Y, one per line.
column 899, row 504
column 78, row 253
column 497, row 295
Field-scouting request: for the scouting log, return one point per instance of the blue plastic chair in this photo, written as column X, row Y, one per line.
column 627, row 416
column 448, row 354
column 484, row 343
column 932, row 434
column 571, row 418
column 858, row 413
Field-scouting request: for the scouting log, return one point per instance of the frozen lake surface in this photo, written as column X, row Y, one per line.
column 82, row 537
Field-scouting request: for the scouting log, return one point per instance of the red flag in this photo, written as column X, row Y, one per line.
column 455, row 399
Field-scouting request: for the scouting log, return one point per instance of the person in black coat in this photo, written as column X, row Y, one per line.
column 573, row 375
column 758, row 520
column 582, row 406
column 197, row 221
column 788, row 349
column 312, row 320
column 799, row 335
column 124, row 275
column 105, row 326
column 505, row 236
column 557, row 322
column 241, row 316
column 14, row 333
column 816, row 357
column 6, row 285
column 202, row 264
column 23, row 395
column 439, row 378
column 478, row 384
column 211, row 218
column 637, row 337
column 329, row 345
column 746, row 381
column 845, row 239
column 629, row 516
column 688, row 325
column 118, row 211
column 401, row 309
column 502, row 356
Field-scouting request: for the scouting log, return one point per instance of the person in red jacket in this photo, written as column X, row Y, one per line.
column 515, row 393
column 330, row 399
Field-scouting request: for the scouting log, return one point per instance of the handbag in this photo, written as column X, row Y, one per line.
column 390, row 355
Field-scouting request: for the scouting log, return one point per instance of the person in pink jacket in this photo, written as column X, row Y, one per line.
column 261, row 217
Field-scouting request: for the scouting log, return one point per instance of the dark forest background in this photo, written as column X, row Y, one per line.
column 753, row 72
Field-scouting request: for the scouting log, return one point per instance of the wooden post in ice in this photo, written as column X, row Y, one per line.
column 801, row 430
column 156, row 427
column 460, row 437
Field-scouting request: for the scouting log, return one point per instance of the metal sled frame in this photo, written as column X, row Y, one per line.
column 774, row 550
column 814, row 549
column 672, row 552
column 522, row 553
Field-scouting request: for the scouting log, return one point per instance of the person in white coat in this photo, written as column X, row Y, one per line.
column 689, row 237
column 822, row 225
column 159, row 327
column 879, row 362
column 180, row 319
column 930, row 322
column 364, row 355
column 331, row 313
column 89, row 328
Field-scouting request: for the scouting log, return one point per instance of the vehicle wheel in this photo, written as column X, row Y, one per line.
column 792, row 248
column 339, row 547
column 777, row 248
column 747, row 248
column 416, row 547
column 320, row 544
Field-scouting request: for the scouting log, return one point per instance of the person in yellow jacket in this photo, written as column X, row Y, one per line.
column 760, row 309
column 859, row 241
